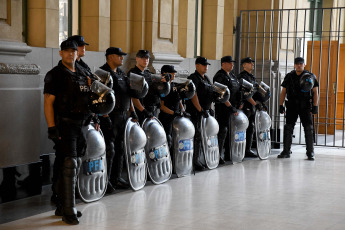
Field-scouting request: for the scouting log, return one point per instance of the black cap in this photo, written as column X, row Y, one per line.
column 227, row 59
column 114, row 50
column 299, row 60
column 247, row 60
column 79, row 39
column 168, row 69
column 143, row 54
column 68, row 45
column 202, row 61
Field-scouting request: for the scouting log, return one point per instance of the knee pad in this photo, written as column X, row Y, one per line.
column 70, row 166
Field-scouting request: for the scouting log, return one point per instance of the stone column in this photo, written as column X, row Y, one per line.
column 95, row 23
column 186, row 28
column 43, row 23
column 120, row 24
column 230, row 14
column 212, row 29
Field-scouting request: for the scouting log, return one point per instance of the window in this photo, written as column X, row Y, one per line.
column 68, row 18
column 315, row 23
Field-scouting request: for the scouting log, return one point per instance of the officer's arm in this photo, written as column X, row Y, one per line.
column 181, row 106
column 282, row 96
column 251, row 101
column 131, row 108
column 315, row 96
column 195, row 101
column 227, row 103
column 166, row 109
column 49, row 109
column 137, row 104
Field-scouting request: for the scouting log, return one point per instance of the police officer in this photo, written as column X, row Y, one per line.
column 149, row 105
column 171, row 104
column 302, row 101
column 249, row 104
column 199, row 105
column 113, row 125
column 223, row 110
column 81, row 51
column 66, row 94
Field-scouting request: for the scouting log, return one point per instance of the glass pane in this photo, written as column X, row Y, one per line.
column 63, row 20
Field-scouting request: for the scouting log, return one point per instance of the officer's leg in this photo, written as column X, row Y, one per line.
column 119, row 126
column 249, row 136
column 306, row 119
column 197, row 145
column 223, row 130
column 291, row 118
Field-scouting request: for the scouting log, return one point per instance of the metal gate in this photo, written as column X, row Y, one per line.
column 274, row 38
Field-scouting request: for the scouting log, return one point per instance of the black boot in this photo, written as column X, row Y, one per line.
column 249, row 141
column 309, row 141
column 288, row 131
column 69, row 178
column 221, row 140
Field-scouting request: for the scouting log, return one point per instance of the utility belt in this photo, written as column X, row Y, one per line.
column 79, row 122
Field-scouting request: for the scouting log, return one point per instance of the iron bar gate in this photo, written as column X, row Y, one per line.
column 274, row 38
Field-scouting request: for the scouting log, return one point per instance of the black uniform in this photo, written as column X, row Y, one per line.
column 249, row 110
column 223, row 112
column 72, row 117
column 114, row 135
column 298, row 103
column 205, row 95
column 172, row 102
column 151, row 101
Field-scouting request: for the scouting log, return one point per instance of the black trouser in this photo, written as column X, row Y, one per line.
column 223, row 118
column 250, row 113
column 197, row 151
column 303, row 110
column 167, row 120
column 114, row 140
column 71, row 147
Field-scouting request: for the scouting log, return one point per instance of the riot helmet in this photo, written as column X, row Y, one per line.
column 138, row 85
column 185, row 87
column 247, row 88
column 102, row 98
column 306, row 81
column 221, row 92
column 263, row 92
column 104, row 77
column 162, row 88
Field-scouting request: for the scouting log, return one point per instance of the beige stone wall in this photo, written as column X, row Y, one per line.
column 186, row 28
column 11, row 20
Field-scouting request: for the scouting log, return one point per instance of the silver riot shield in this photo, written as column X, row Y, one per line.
column 263, row 137
column 209, row 131
column 135, row 141
column 183, row 135
column 237, row 134
column 157, row 151
column 92, row 180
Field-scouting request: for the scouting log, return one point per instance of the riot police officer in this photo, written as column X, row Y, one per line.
column 199, row 105
column 249, row 104
column 66, row 94
column 113, row 125
column 171, row 104
column 301, row 89
column 223, row 110
column 149, row 105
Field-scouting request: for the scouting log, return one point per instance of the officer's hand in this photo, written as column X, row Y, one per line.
column 204, row 113
column 211, row 111
column 53, row 134
column 258, row 107
column 185, row 114
column 241, row 106
column 264, row 107
column 177, row 113
column 134, row 116
column 232, row 109
column 147, row 114
column 314, row 109
column 281, row 109
column 106, row 122
column 96, row 121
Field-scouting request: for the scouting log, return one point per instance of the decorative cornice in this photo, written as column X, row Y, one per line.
column 19, row 69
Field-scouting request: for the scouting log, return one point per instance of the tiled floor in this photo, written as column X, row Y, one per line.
column 271, row 194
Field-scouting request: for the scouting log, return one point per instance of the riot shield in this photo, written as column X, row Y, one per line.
column 263, row 137
column 237, row 136
column 92, row 180
column 209, row 131
column 135, row 141
column 183, row 135
column 157, row 151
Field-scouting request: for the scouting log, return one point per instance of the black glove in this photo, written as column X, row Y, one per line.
column 258, row 107
column 204, row 113
column 134, row 115
column 314, row 109
column 177, row 113
column 281, row 109
column 53, row 134
column 185, row 114
column 106, row 122
column 211, row 111
column 232, row 109
column 147, row 114
column 96, row 120
column 264, row 107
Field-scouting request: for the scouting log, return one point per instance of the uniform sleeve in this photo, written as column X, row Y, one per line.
column 219, row 78
column 316, row 83
column 285, row 81
column 50, row 84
